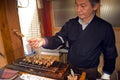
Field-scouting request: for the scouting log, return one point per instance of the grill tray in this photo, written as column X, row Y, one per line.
column 56, row 70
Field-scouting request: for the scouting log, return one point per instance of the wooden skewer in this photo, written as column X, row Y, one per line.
column 83, row 76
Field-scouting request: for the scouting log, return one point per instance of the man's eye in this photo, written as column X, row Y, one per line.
column 82, row 5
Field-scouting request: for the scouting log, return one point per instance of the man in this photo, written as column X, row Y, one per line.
column 88, row 36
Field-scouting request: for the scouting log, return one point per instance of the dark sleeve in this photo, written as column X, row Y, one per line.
column 55, row 41
column 109, row 66
column 52, row 42
column 109, row 50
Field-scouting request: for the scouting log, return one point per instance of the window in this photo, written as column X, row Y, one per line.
column 29, row 22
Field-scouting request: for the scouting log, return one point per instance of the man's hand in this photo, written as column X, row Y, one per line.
column 36, row 42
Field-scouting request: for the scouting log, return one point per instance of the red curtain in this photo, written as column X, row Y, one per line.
column 46, row 17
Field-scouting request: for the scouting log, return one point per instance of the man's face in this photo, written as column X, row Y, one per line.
column 84, row 9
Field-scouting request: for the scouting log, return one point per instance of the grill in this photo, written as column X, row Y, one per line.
column 33, row 65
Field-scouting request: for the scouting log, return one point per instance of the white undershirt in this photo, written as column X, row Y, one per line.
column 85, row 25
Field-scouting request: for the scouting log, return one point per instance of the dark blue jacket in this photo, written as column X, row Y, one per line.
column 86, row 46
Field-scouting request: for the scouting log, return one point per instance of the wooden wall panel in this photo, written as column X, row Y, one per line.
column 3, row 60
column 117, row 35
column 3, row 57
column 13, row 23
column 8, row 21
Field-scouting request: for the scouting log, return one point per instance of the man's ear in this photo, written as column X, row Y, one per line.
column 96, row 6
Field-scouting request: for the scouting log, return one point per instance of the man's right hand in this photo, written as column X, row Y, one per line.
column 36, row 42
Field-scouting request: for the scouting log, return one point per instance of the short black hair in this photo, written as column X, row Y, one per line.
column 93, row 2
